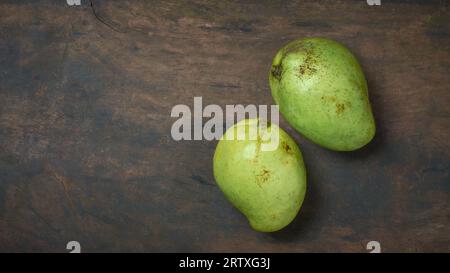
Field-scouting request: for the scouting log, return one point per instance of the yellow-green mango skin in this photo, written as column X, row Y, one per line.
column 268, row 187
column 322, row 92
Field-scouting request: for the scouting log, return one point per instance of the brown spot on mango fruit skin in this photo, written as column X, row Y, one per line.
column 328, row 98
column 263, row 177
column 277, row 71
column 308, row 66
column 340, row 108
column 306, row 69
column 286, row 147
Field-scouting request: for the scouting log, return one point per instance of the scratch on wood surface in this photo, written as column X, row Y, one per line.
column 44, row 220
column 64, row 183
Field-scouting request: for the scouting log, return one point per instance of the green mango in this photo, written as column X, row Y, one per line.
column 322, row 92
column 267, row 185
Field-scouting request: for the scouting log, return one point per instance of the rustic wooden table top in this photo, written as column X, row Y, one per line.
column 86, row 152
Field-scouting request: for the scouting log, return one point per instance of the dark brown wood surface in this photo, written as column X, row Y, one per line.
column 86, row 152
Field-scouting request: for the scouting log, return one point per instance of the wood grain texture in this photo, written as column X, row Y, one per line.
column 85, row 146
